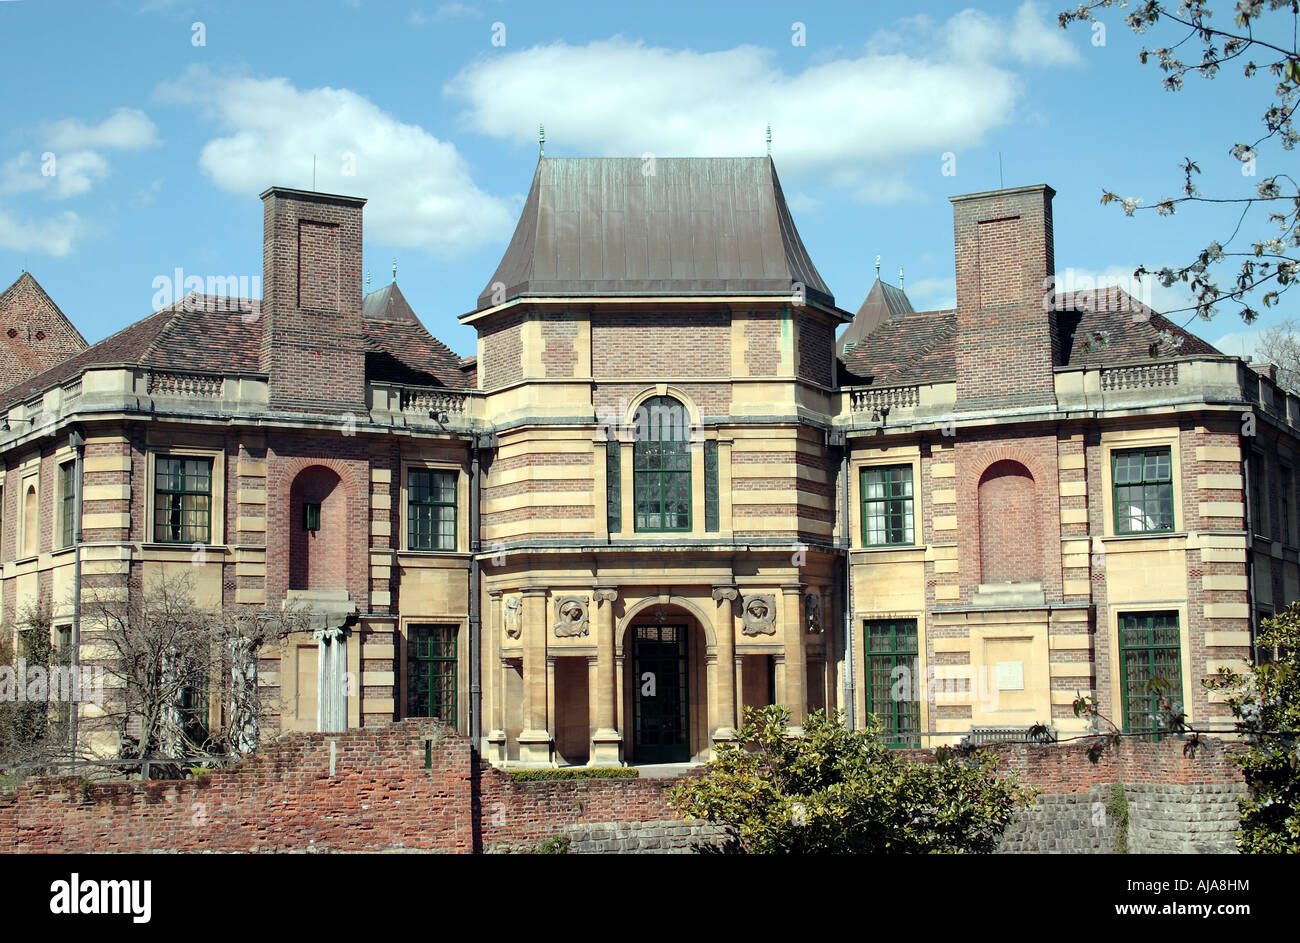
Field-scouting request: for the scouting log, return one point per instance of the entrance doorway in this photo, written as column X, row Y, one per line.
column 661, row 698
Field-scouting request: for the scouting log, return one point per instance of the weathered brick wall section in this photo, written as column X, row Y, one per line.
column 1004, row 256
column 763, row 335
column 502, row 345
column 667, row 343
column 378, row 797
column 559, row 355
column 816, row 342
column 1036, row 509
column 34, row 333
column 409, row 786
column 313, row 344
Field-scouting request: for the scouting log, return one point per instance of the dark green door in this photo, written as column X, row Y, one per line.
column 431, row 672
column 660, row 703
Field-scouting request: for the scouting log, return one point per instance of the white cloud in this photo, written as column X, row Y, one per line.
column 127, row 129
column 420, row 190
column 856, row 121
column 70, row 159
column 448, row 11
column 55, row 236
column 58, row 175
column 931, row 294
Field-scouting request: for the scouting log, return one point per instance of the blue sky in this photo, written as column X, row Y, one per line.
column 162, row 145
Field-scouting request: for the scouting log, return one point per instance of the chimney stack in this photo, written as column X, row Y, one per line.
column 1006, row 318
column 312, row 336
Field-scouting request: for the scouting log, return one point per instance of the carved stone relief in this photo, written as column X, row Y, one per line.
column 514, row 616
column 570, row 616
column 758, row 617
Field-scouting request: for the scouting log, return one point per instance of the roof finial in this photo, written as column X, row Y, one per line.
column 541, row 140
column 394, row 268
column 900, row 278
column 769, row 139
column 877, row 268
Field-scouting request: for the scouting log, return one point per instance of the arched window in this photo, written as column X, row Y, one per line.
column 661, row 465
column 31, row 522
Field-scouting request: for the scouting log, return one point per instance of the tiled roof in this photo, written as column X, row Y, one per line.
column 911, row 348
column 1129, row 328
column 694, row 226
column 883, row 302
column 1106, row 326
column 213, row 334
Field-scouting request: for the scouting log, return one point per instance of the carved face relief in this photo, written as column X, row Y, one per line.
column 514, row 616
column 570, row 616
column 759, row 615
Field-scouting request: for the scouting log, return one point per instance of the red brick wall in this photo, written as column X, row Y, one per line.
column 662, row 343
column 380, row 796
column 1037, row 453
column 1004, row 256
column 312, row 343
column 34, row 333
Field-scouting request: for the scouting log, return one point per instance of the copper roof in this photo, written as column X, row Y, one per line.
column 665, row 226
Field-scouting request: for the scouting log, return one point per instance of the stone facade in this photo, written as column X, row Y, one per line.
column 666, row 444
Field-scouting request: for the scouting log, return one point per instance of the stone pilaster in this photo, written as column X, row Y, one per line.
column 607, row 742
column 535, row 739
column 722, row 723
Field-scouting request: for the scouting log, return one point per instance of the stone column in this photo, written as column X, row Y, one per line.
column 535, row 738
column 331, row 680
column 607, row 742
column 796, row 675
column 723, row 723
column 496, row 737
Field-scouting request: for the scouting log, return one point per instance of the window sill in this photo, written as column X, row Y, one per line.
column 885, row 548
column 1153, row 535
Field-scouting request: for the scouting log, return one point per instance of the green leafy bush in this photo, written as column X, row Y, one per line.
column 835, row 790
column 1266, row 701
column 574, row 772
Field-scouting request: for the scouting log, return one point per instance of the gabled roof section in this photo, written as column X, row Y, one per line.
column 910, row 348
column 1107, row 326
column 693, row 226
column 400, row 350
column 883, row 302
column 223, row 335
column 1110, row 325
column 34, row 332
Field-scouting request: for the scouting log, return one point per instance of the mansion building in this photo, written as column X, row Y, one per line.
column 662, row 491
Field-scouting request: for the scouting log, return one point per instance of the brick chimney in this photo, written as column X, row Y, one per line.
column 312, row 345
column 1006, row 333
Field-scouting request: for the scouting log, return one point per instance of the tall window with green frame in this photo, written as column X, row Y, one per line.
column 887, row 505
column 182, row 500
column 431, row 509
column 67, row 502
column 613, row 486
column 1143, row 485
column 431, row 672
column 661, row 466
column 893, row 684
column 1150, row 663
column 712, row 511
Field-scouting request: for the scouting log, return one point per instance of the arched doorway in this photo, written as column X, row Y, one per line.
column 665, row 703
column 318, row 530
column 1008, row 513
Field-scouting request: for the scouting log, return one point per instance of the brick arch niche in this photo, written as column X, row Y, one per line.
column 1009, row 524
column 318, row 559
